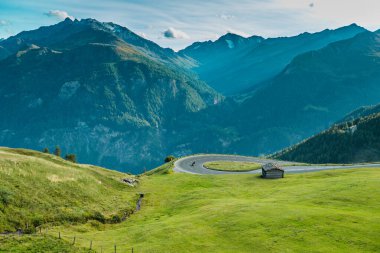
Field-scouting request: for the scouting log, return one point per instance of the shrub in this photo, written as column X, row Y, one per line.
column 29, row 230
column 46, row 150
column 98, row 216
column 115, row 219
column 5, row 196
column 71, row 158
column 169, row 158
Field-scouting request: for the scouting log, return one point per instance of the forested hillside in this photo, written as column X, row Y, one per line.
column 349, row 142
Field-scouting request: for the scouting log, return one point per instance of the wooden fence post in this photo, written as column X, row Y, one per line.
column 59, row 235
column 74, row 241
column 91, row 244
column 115, row 248
column 40, row 230
column 132, row 250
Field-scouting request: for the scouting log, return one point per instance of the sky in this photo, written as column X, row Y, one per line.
column 179, row 23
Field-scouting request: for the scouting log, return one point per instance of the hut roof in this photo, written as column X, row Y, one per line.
column 271, row 166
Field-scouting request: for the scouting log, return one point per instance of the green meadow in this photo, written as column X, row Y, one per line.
column 232, row 166
column 329, row 211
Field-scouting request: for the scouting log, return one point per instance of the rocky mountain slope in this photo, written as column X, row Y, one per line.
column 310, row 94
column 313, row 92
column 95, row 89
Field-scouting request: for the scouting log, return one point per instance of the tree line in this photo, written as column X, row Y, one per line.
column 349, row 142
column 57, row 151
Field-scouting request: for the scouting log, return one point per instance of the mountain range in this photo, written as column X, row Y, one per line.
column 233, row 64
column 118, row 100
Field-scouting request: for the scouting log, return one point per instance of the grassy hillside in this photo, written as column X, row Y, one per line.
column 330, row 211
column 33, row 244
column 38, row 188
column 334, row 211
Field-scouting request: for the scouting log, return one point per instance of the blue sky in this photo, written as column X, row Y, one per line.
column 178, row 23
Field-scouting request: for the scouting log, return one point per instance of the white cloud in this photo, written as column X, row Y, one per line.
column 172, row 33
column 4, row 23
column 203, row 20
column 225, row 16
column 59, row 14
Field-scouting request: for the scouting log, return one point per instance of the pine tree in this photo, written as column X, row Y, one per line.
column 46, row 150
column 57, row 151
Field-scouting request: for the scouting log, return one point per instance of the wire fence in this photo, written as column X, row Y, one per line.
column 91, row 245
column 97, row 246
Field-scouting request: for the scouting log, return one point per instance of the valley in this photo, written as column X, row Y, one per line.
column 137, row 102
column 112, row 141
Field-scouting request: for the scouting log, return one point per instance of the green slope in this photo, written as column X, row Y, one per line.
column 38, row 189
column 330, row 211
column 353, row 141
column 38, row 244
column 335, row 211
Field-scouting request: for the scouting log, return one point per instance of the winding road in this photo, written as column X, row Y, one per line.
column 183, row 165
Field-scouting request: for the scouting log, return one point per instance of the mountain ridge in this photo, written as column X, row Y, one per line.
column 126, row 106
column 257, row 62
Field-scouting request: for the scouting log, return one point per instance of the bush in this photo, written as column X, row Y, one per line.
column 169, row 158
column 30, row 230
column 46, row 150
column 71, row 158
column 37, row 221
column 115, row 219
column 5, row 196
column 98, row 216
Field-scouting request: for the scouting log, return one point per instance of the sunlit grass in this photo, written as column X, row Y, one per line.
column 330, row 211
column 232, row 166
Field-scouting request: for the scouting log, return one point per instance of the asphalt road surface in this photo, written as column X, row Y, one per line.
column 184, row 165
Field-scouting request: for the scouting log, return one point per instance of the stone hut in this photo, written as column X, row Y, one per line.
column 272, row 170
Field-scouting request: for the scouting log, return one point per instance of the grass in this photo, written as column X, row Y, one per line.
column 37, row 244
column 232, row 166
column 38, row 188
column 329, row 211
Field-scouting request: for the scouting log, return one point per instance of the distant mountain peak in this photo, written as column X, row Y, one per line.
column 68, row 20
column 354, row 25
column 231, row 35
